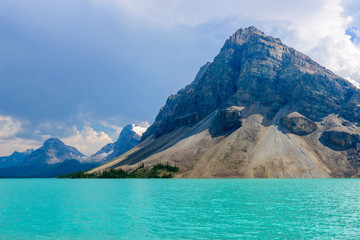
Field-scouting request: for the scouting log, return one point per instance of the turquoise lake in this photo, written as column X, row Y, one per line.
column 179, row 208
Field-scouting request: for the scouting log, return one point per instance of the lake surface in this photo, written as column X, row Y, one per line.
column 179, row 208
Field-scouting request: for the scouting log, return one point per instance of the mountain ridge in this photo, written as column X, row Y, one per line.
column 14, row 159
column 51, row 159
column 55, row 158
column 260, row 109
column 231, row 46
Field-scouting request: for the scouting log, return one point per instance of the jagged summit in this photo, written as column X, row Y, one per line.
column 53, row 142
column 243, row 35
column 53, row 151
column 53, row 158
column 252, row 67
column 259, row 109
column 129, row 137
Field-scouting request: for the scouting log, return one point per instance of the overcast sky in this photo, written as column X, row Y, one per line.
column 80, row 70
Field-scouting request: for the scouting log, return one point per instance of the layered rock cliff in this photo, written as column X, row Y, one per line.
column 260, row 109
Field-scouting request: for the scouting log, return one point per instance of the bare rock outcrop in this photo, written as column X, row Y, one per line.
column 230, row 118
column 299, row 125
column 339, row 141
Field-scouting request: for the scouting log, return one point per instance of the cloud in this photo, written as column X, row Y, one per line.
column 317, row 28
column 323, row 37
column 9, row 127
column 8, row 146
column 88, row 137
column 115, row 134
column 193, row 13
column 83, row 137
column 110, row 63
column 16, row 135
column 355, row 83
column 87, row 140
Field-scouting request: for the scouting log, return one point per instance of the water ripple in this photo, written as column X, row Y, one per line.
column 179, row 209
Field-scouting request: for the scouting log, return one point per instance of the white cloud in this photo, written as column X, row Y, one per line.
column 115, row 135
column 192, row 13
column 87, row 140
column 8, row 146
column 9, row 126
column 323, row 38
column 355, row 83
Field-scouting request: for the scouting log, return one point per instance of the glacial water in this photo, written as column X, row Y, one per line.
column 179, row 209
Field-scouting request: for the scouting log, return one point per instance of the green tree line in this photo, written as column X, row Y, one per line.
column 157, row 171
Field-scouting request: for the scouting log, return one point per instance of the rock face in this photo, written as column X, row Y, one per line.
column 255, row 68
column 257, row 110
column 339, row 141
column 230, row 118
column 299, row 125
column 52, row 159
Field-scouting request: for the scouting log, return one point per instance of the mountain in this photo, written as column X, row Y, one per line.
column 260, row 109
column 53, row 151
column 14, row 159
column 129, row 137
column 52, row 159
column 55, row 158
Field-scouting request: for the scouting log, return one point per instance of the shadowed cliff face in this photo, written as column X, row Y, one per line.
column 258, row 110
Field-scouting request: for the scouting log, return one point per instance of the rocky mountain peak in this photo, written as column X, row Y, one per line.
column 243, row 35
column 53, row 142
column 129, row 137
column 53, row 151
column 259, row 109
column 128, row 132
column 53, row 158
column 255, row 69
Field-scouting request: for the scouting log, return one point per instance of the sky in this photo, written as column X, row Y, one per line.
column 81, row 70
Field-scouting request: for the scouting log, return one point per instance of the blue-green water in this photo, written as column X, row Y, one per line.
column 179, row 208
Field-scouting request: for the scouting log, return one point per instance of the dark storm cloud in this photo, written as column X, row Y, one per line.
column 59, row 57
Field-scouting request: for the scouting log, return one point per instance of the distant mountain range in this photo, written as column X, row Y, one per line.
column 260, row 109
column 55, row 158
column 14, row 159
